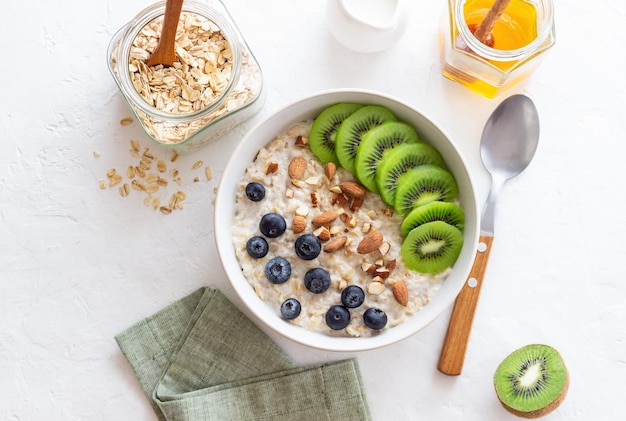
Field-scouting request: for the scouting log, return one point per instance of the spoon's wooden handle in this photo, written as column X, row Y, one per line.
column 455, row 344
column 165, row 52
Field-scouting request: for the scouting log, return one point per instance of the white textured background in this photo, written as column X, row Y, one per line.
column 79, row 264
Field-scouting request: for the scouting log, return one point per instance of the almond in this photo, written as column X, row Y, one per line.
column 335, row 244
column 296, row 167
column 352, row 189
column 329, row 169
column 368, row 267
column 301, row 141
column 370, row 242
column 324, row 218
column 298, row 224
column 272, row 167
column 401, row 293
column 322, row 233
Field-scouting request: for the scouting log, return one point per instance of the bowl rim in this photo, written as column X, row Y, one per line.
column 299, row 110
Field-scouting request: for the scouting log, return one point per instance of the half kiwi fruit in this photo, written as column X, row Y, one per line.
column 350, row 132
column 376, row 143
column 531, row 381
column 423, row 184
column 398, row 161
column 431, row 247
column 324, row 130
column 448, row 212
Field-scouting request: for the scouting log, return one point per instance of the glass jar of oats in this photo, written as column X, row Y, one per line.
column 215, row 84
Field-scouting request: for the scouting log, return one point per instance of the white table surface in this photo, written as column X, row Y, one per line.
column 79, row 264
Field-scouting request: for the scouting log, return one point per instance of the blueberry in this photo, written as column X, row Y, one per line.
column 317, row 280
column 337, row 317
column 374, row 318
column 255, row 191
column 308, row 246
column 277, row 270
column 272, row 225
column 290, row 308
column 352, row 296
column 257, row 247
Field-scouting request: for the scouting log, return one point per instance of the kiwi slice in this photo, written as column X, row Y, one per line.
column 398, row 161
column 324, row 130
column 448, row 212
column 531, row 381
column 423, row 184
column 351, row 131
column 375, row 144
column 431, row 247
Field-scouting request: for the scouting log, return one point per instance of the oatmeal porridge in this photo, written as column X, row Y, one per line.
column 358, row 234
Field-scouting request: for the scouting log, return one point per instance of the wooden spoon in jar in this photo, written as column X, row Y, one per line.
column 165, row 52
column 483, row 30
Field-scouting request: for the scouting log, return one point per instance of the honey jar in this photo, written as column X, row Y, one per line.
column 520, row 37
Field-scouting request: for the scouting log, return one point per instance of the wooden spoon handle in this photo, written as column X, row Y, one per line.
column 165, row 52
column 486, row 26
column 455, row 344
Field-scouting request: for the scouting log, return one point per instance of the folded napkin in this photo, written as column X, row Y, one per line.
column 200, row 358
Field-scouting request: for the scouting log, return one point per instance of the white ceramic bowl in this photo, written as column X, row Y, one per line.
column 276, row 124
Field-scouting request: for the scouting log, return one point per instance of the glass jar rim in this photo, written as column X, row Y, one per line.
column 505, row 55
column 146, row 16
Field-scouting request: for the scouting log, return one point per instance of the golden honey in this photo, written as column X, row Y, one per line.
column 521, row 35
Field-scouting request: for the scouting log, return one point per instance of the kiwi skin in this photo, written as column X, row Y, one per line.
column 554, row 381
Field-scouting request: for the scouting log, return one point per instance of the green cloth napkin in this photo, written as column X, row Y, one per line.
column 200, row 358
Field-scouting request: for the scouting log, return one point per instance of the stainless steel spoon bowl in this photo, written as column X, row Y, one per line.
column 508, row 144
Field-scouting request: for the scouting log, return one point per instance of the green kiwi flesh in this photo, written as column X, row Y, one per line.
column 423, row 184
column 431, row 247
column 448, row 212
column 375, row 144
column 398, row 161
column 350, row 132
column 531, row 381
column 324, row 130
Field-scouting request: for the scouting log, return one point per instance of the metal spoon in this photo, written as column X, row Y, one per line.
column 508, row 144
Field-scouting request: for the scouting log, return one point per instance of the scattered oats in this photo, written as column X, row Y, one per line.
column 196, row 165
column 147, row 199
column 161, row 165
column 126, row 121
column 115, row 179
column 174, row 157
column 137, row 185
column 130, row 172
column 209, row 173
column 162, row 182
column 289, row 194
column 140, row 172
column 196, row 179
column 96, row 154
column 102, row 184
column 152, row 178
column 134, row 145
column 111, row 172
column 166, row 210
column 124, row 190
column 152, row 188
column 156, row 202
